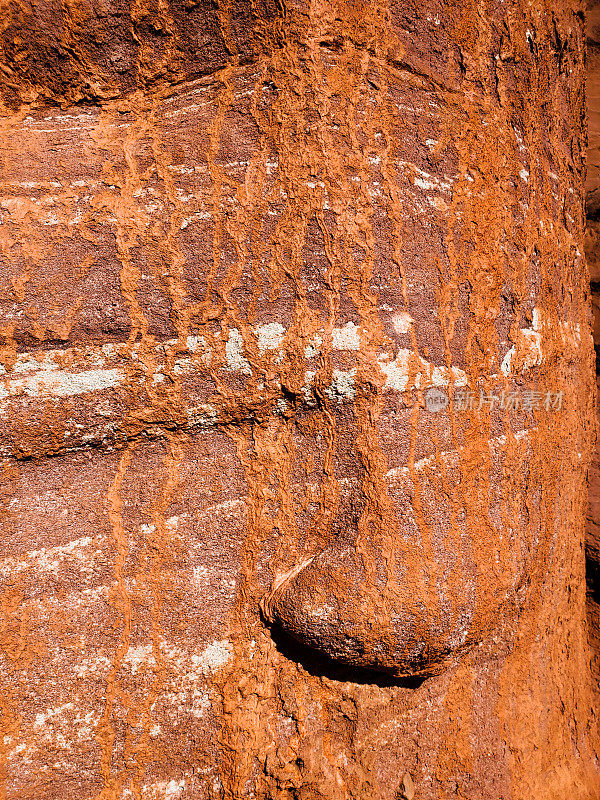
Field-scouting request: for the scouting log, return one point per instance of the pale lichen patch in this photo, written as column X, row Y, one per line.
column 213, row 657
column 235, row 354
column 63, row 383
column 409, row 371
column 270, row 336
column 346, row 338
column 402, row 322
column 343, row 385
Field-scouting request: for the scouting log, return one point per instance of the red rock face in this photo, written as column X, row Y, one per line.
column 297, row 399
column 66, row 54
column 592, row 252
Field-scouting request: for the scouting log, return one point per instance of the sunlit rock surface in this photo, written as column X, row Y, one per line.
column 244, row 552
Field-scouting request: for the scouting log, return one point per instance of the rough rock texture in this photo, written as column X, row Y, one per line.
column 244, row 556
column 592, row 251
column 592, row 552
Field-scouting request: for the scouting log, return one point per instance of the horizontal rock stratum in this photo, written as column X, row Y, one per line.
column 296, row 401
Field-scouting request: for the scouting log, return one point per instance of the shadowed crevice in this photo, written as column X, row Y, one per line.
column 321, row 666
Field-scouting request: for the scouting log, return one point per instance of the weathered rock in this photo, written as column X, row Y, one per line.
column 592, row 552
column 74, row 52
column 592, row 252
column 230, row 286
